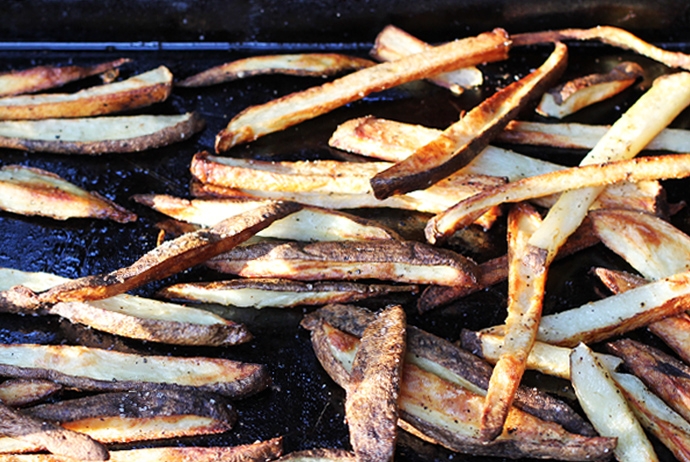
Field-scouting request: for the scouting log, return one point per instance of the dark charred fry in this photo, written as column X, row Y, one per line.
column 304, row 64
column 462, row 141
column 401, row 261
column 21, row 392
column 45, row 77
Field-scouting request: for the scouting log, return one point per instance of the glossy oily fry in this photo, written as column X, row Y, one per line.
column 393, row 43
column 138, row 91
column 99, row 135
column 462, row 141
column 302, row 64
column 294, row 108
column 32, row 191
column 44, row 77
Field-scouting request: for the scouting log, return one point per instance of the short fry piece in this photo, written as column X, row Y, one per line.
column 99, row 135
column 45, row 77
column 138, row 91
column 601, row 400
column 32, row 191
column 292, row 109
column 462, row 141
column 302, row 64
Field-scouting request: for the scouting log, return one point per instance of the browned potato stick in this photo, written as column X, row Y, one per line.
column 408, row 262
column 613, row 36
column 320, row 455
column 99, row 135
column 136, row 92
column 303, row 64
column 45, row 77
column 170, row 257
column 526, row 285
column 308, row 224
column 655, row 415
column 371, row 406
column 592, row 175
column 22, row 392
column 32, row 191
column 255, row 452
column 393, row 43
column 54, row 438
column 294, row 108
column 463, row 140
column 284, row 293
column 569, row 97
column 450, row 415
column 104, row 370
column 665, row 375
column 582, row 136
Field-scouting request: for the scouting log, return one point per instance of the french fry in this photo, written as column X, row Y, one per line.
column 526, row 284
column 601, row 400
column 320, row 455
column 463, row 140
column 284, row 293
column 302, row 64
column 393, row 43
column 20, row 392
column 95, row 369
column 613, row 36
column 308, row 224
column 32, row 191
column 408, row 262
column 45, row 77
column 569, row 97
column 139, row 91
column 371, row 407
column 99, row 135
column 297, row 107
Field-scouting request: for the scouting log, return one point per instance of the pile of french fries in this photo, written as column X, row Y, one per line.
column 283, row 234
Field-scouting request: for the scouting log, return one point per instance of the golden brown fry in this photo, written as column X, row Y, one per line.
column 462, row 141
column 297, row 107
column 569, row 97
column 320, row 455
column 21, row 392
column 138, row 91
column 99, row 135
column 104, row 370
column 45, row 77
column 371, row 407
column 613, row 36
column 303, row 64
column 32, row 191
column 393, row 43
column 401, row 261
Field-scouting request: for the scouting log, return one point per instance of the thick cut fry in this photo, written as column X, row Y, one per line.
column 54, row 438
column 371, row 407
column 526, row 284
column 103, row 370
column 32, row 191
column 99, row 135
column 571, row 96
column 292, row 109
column 613, row 36
column 462, row 141
column 21, row 392
column 138, row 91
column 308, row 224
column 581, row 136
column 401, row 261
column 303, row 64
column 393, row 43
column 283, row 293
column 606, row 408
column 594, row 175
column 171, row 257
column 45, row 77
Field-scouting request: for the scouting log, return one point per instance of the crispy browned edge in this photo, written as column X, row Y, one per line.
column 174, row 134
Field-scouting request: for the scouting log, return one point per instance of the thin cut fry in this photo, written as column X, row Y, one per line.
column 303, row 64
column 292, row 109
